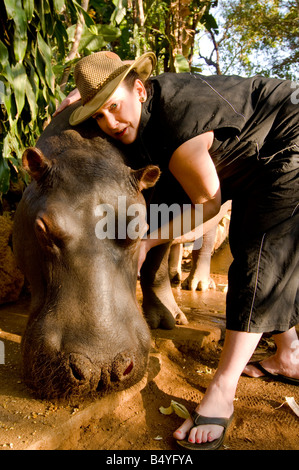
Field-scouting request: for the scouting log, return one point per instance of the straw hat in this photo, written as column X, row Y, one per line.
column 98, row 75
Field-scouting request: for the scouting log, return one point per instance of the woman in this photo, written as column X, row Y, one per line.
column 222, row 138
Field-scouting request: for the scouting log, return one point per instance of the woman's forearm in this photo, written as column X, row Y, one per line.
column 186, row 225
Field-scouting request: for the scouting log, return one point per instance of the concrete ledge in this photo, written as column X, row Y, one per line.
column 187, row 338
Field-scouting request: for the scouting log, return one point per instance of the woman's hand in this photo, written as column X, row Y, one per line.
column 70, row 99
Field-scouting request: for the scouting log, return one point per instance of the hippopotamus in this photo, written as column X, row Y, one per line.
column 86, row 332
column 199, row 277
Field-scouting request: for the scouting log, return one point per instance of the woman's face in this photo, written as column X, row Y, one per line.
column 120, row 116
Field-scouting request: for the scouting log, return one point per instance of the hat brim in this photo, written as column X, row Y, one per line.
column 143, row 66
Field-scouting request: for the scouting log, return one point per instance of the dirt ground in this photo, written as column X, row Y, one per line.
column 181, row 369
column 261, row 421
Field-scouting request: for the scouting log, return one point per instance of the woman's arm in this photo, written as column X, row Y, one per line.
column 192, row 166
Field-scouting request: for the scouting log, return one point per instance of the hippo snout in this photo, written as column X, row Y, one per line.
column 78, row 370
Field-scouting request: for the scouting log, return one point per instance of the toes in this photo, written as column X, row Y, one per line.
column 192, row 435
column 180, row 435
column 183, row 430
column 199, row 434
column 202, row 434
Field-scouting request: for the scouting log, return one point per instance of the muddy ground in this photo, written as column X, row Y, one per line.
column 182, row 364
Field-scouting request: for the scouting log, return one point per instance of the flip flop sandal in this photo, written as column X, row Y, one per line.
column 276, row 377
column 200, row 420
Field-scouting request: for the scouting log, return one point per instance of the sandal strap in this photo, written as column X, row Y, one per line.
column 200, row 420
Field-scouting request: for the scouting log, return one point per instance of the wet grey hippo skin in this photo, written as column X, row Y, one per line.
column 86, row 333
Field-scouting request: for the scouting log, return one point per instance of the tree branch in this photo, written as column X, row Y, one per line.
column 74, row 49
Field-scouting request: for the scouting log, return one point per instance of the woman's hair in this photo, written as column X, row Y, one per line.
column 132, row 77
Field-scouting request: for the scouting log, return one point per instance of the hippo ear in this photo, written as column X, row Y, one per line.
column 35, row 162
column 147, row 177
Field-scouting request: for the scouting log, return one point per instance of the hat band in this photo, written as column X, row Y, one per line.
column 111, row 77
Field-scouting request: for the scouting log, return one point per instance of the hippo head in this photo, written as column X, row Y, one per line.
column 86, row 332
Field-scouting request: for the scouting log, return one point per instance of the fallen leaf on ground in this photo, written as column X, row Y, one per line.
column 293, row 405
column 176, row 407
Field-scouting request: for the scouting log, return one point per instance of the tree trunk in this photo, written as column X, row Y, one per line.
column 74, row 49
column 183, row 28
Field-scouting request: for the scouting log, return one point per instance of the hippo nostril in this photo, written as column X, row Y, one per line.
column 129, row 368
column 122, row 367
column 77, row 373
column 80, row 366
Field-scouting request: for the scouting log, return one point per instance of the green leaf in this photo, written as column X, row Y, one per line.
column 18, row 84
column 119, row 12
column 2, row 92
column 91, row 42
column 39, row 66
column 33, row 77
column 47, row 7
column 11, row 143
column 31, row 99
column 61, row 37
column 93, row 29
column 4, row 176
column 94, row 39
column 28, row 6
column 181, row 64
column 41, row 15
column 15, row 11
column 209, row 22
column 6, row 99
column 109, row 32
column 3, row 54
column 46, row 54
column 58, row 5
column 88, row 20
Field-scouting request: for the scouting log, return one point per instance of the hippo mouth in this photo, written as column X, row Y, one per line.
column 75, row 375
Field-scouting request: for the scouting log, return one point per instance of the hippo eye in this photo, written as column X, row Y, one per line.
column 49, row 235
column 131, row 226
column 40, row 230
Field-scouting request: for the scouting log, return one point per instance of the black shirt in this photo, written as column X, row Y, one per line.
column 244, row 113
